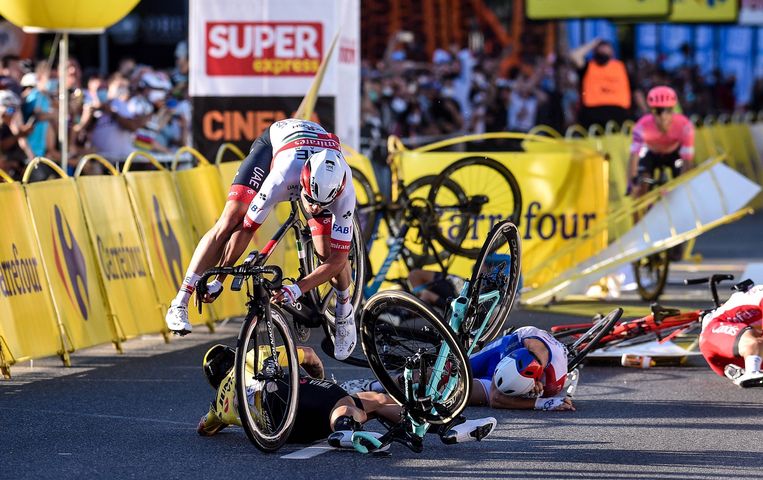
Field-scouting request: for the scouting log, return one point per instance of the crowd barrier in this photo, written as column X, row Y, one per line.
column 93, row 259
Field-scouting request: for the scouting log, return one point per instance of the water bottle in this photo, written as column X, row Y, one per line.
column 636, row 361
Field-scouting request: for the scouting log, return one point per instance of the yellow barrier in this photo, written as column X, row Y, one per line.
column 120, row 253
column 70, row 259
column 28, row 320
column 202, row 196
column 563, row 194
column 166, row 235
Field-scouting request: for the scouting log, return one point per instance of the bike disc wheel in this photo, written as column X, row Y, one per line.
column 366, row 206
column 497, row 269
column 651, row 274
column 589, row 340
column 396, row 327
column 267, row 379
column 492, row 193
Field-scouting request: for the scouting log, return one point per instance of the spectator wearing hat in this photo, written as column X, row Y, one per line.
column 11, row 73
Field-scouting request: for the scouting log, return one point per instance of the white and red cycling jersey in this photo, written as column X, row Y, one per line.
column 648, row 136
column 722, row 328
column 293, row 142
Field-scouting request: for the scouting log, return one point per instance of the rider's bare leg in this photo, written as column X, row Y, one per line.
column 342, row 281
column 211, row 246
column 750, row 348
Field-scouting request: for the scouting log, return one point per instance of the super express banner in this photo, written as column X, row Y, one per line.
column 253, row 60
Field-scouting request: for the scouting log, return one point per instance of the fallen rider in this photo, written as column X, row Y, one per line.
column 323, row 406
column 526, row 369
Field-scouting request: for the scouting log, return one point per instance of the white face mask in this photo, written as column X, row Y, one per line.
column 399, row 105
column 155, row 96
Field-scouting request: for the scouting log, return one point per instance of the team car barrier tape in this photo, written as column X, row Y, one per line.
column 121, row 255
column 70, row 260
column 166, row 233
column 29, row 325
column 563, row 195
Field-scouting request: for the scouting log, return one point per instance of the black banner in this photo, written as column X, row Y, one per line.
column 239, row 120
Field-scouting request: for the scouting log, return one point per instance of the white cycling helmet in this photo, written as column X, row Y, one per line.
column 516, row 373
column 323, row 177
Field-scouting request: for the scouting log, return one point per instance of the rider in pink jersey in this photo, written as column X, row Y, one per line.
column 660, row 139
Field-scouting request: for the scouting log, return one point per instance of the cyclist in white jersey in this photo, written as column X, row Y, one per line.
column 293, row 160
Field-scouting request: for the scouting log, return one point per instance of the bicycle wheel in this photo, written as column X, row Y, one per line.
column 267, row 378
column 651, row 273
column 414, row 248
column 497, row 269
column 589, row 340
column 493, row 194
column 366, row 206
column 398, row 329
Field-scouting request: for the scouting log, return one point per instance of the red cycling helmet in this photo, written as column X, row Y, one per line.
column 661, row 97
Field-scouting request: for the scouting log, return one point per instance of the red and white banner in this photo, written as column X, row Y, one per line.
column 270, row 49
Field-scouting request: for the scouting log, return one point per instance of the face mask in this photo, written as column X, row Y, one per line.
column 122, row 92
column 155, row 96
column 600, row 58
column 373, row 96
column 387, row 91
column 399, row 105
column 103, row 95
column 448, row 92
column 52, row 85
column 414, row 119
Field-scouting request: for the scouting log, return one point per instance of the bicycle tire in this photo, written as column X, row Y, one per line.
column 590, row 340
column 366, row 204
column 430, row 324
column 255, row 420
column 421, row 259
column 657, row 266
column 503, row 239
column 497, row 189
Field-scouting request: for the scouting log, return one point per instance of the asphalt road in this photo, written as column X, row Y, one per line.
column 134, row 416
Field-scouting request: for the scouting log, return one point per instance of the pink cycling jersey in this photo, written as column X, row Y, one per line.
column 680, row 136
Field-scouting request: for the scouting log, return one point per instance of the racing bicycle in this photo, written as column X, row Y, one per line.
column 266, row 365
column 662, row 324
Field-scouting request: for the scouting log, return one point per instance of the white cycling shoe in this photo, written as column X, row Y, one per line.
column 346, row 337
column 469, row 431
column 749, row 379
column 177, row 320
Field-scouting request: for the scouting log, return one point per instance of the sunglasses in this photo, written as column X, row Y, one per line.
column 661, row 110
column 315, row 202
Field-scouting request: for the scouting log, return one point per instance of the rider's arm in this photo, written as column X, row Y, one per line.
column 499, row 399
column 687, row 146
column 636, row 145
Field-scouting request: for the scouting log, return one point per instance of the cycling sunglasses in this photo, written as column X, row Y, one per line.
column 661, row 110
column 313, row 201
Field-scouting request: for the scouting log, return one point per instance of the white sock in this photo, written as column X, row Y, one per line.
column 343, row 304
column 186, row 289
column 752, row 363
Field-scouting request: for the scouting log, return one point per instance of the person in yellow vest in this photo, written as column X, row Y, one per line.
column 605, row 90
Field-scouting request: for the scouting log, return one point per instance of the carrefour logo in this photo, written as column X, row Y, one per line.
column 166, row 243
column 19, row 275
column 70, row 262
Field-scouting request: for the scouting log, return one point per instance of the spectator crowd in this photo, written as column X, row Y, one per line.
column 407, row 93
column 135, row 107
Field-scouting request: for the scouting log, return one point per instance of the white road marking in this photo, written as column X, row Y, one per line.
column 310, row 452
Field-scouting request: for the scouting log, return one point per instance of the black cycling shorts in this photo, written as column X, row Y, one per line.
column 253, row 170
column 442, row 287
column 317, row 399
column 653, row 161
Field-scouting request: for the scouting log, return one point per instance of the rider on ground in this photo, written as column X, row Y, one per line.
column 293, row 160
column 526, row 369
column 323, row 407
column 731, row 340
column 661, row 138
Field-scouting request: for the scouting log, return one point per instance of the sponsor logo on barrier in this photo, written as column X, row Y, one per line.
column 264, row 48
column 19, row 275
column 68, row 256
column 120, row 261
column 171, row 262
column 536, row 225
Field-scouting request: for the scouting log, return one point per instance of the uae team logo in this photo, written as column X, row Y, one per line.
column 70, row 262
column 166, row 242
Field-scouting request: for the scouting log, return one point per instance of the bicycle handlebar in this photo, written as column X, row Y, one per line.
column 714, row 280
